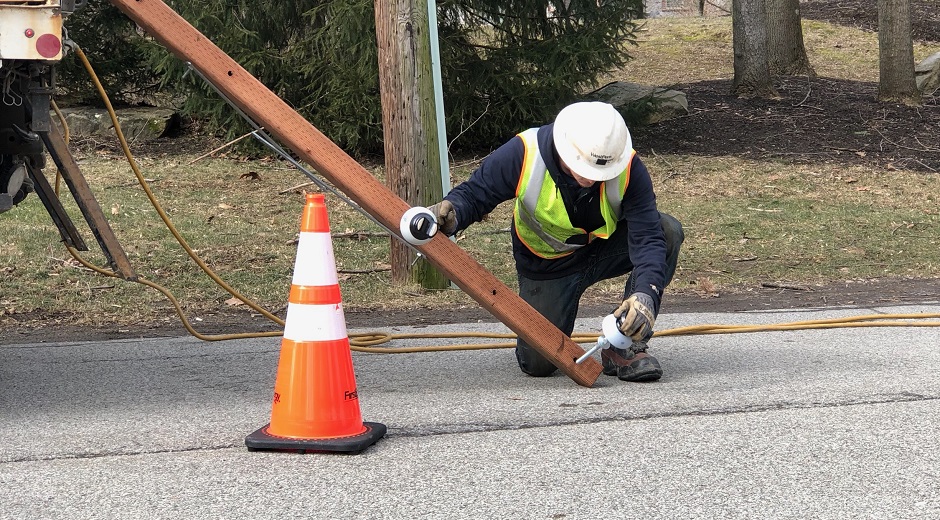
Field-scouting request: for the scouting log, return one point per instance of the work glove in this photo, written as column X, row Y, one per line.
column 635, row 316
column 446, row 217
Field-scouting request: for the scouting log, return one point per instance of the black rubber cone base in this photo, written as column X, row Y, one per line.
column 262, row 440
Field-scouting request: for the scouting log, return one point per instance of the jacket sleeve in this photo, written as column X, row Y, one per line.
column 493, row 183
column 647, row 243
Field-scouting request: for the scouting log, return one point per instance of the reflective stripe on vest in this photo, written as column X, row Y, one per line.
column 541, row 219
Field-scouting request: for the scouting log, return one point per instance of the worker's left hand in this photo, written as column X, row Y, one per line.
column 635, row 316
column 446, row 217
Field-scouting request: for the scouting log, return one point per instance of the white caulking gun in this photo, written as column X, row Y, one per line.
column 612, row 338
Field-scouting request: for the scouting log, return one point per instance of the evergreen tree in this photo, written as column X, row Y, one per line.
column 511, row 64
column 116, row 51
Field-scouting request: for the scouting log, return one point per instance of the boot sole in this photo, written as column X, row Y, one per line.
column 641, row 377
column 647, row 374
column 646, row 369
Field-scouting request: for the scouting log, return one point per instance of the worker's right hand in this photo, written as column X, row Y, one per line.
column 446, row 217
column 635, row 316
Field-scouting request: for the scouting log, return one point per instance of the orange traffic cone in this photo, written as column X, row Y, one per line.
column 316, row 404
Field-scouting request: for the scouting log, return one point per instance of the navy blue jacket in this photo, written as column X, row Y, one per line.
column 496, row 179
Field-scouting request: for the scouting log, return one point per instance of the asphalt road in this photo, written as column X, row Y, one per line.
column 840, row 423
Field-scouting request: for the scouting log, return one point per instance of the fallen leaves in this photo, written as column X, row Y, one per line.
column 705, row 287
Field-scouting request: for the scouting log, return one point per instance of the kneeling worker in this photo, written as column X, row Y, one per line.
column 585, row 211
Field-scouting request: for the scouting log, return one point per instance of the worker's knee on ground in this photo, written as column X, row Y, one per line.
column 672, row 229
column 532, row 362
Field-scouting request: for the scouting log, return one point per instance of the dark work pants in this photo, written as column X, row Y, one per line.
column 558, row 299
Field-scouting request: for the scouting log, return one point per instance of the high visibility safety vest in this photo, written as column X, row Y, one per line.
column 540, row 217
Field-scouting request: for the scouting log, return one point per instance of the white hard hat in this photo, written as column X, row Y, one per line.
column 593, row 140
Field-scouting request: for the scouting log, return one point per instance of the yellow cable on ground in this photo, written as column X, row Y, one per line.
column 871, row 320
column 366, row 342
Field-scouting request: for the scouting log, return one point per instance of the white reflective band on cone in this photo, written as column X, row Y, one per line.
column 315, row 322
column 317, row 246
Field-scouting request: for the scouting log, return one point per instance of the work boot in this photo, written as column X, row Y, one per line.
column 631, row 364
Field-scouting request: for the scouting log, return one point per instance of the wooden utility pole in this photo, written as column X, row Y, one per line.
column 412, row 158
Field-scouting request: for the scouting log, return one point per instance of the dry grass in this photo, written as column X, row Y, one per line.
column 673, row 51
column 752, row 222
column 665, row 46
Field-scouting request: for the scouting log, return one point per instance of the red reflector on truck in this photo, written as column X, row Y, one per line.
column 48, row 45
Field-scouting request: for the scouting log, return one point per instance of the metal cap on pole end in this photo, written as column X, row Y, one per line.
column 418, row 226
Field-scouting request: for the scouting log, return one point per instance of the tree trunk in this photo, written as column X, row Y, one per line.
column 896, row 82
column 749, row 35
column 409, row 125
column 785, row 50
